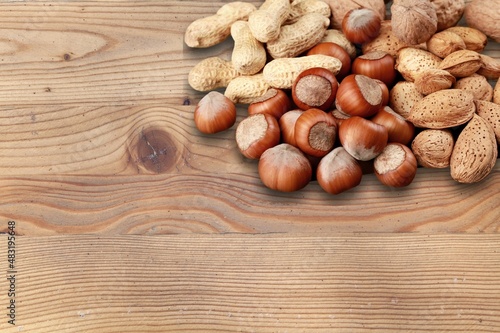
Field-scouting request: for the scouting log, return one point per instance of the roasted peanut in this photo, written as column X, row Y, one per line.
column 249, row 55
column 211, row 30
column 211, row 73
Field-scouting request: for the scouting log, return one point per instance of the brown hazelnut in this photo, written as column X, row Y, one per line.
column 315, row 88
column 359, row 95
column 361, row 25
column 284, row 168
column 396, row 166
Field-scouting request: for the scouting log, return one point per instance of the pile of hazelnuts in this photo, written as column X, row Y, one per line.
column 332, row 128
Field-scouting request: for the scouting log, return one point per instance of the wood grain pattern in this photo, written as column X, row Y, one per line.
column 203, row 203
column 236, row 283
column 98, row 137
column 99, row 151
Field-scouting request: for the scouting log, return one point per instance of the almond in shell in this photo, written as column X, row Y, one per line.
column 477, row 85
column 433, row 80
column 475, row 152
column 444, row 43
column 386, row 41
column 443, row 109
column 403, row 96
column 433, row 148
column 490, row 67
column 411, row 61
column 474, row 39
column 496, row 92
column 491, row 113
column 462, row 63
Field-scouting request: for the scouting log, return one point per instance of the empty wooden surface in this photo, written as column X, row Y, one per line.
column 105, row 175
column 259, row 283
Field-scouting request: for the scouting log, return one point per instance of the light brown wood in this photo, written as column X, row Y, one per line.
column 221, row 203
column 274, row 283
column 99, row 151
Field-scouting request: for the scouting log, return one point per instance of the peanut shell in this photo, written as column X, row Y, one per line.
column 244, row 89
column 214, row 29
column 211, row 73
column 475, row 152
column 249, row 55
column 280, row 73
column 298, row 37
column 443, row 109
column 265, row 23
column 301, row 7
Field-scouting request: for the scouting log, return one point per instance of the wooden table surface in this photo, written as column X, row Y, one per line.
column 110, row 237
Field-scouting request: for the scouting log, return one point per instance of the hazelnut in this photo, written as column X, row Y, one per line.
column 315, row 132
column 257, row 133
column 338, row 171
column 337, row 51
column 362, row 138
column 396, row 166
column 287, row 126
column 377, row 65
column 359, row 95
column 214, row 113
column 399, row 129
column 284, row 168
column 361, row 25
column 341, row 7
column 315, row 88
column 274, row 102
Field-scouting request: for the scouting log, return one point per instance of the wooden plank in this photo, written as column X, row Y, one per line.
column 205, row 203
column 127, row 52
column 99, row 52
column 236, row 283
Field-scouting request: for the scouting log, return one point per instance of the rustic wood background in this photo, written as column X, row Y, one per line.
column 113, row 238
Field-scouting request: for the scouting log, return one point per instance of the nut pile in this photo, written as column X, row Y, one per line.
column 335, row 90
